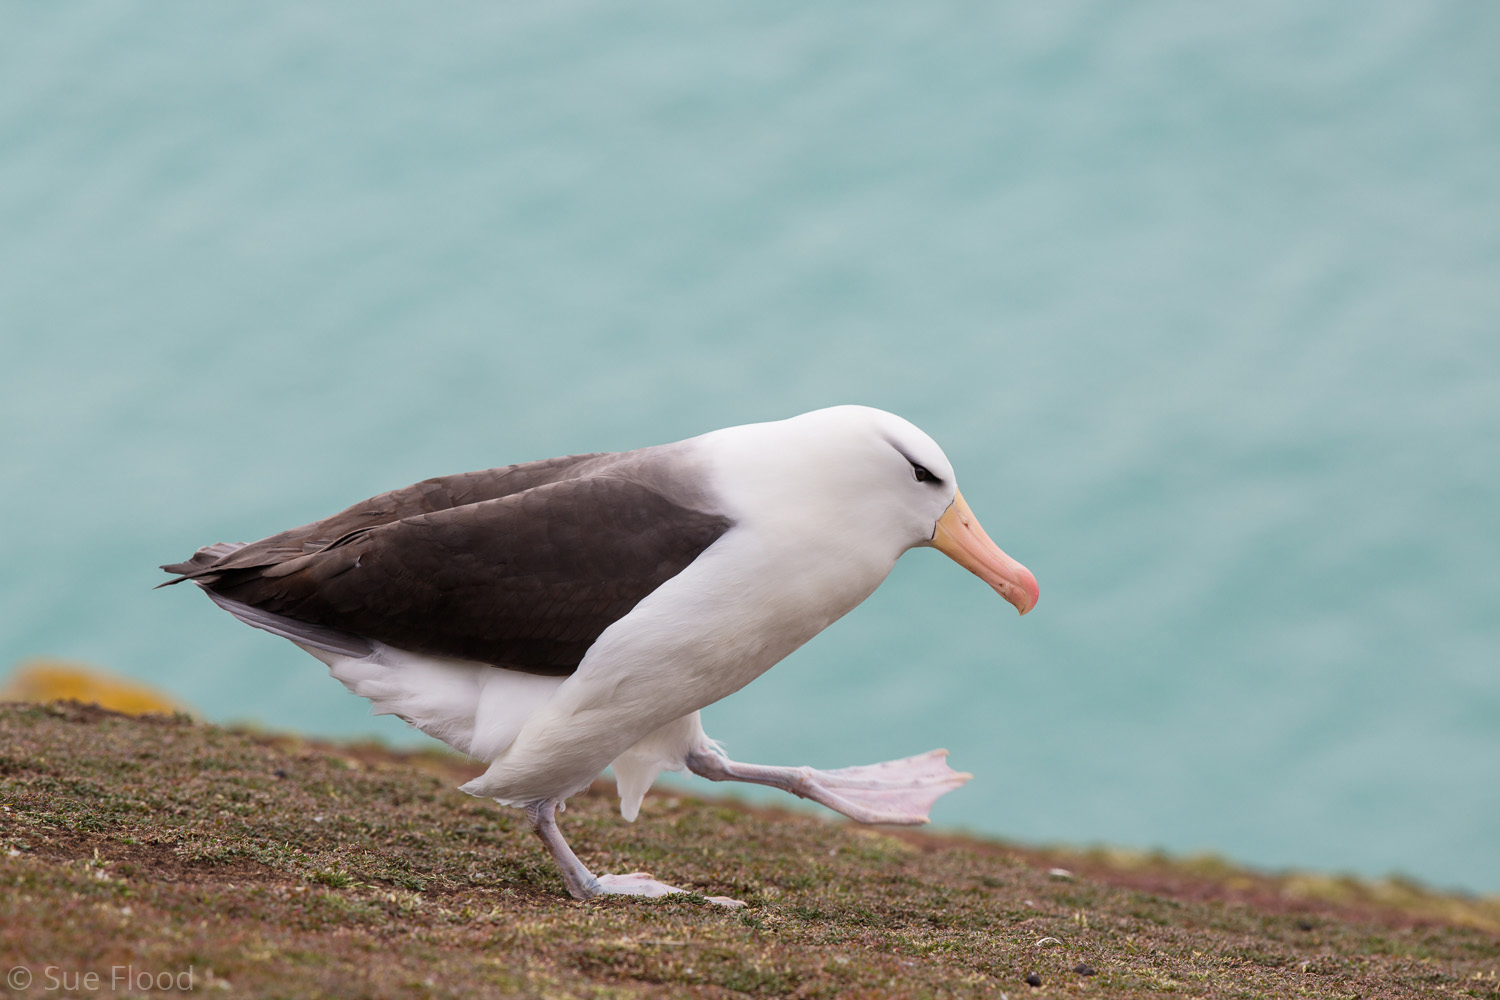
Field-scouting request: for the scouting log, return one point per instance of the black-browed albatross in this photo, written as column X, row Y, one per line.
column 558, row 617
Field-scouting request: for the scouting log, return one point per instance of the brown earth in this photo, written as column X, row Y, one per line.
column 270, row 866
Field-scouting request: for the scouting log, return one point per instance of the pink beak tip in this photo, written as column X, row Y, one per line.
column 1024, row 592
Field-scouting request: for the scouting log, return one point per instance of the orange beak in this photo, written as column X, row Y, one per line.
column 959, row 537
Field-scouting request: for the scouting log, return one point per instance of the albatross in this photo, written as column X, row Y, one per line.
column 558, row 617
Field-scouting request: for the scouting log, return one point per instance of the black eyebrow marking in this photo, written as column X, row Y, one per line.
column 916, row 466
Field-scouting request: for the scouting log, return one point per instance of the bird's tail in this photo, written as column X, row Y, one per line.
column 201, row 562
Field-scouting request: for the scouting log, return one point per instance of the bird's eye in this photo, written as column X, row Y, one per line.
column 921, row 473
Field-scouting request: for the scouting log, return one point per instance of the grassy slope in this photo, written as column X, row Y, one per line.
column 280, row 868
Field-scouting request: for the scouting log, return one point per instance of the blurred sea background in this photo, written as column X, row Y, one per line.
column 1201, row 300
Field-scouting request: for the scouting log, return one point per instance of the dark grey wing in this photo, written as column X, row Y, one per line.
column 426, row 497
column 526, row 581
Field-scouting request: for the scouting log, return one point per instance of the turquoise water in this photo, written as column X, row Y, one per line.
column 1201, row 302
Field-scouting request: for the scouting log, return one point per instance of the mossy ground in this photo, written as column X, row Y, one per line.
column 274, row 867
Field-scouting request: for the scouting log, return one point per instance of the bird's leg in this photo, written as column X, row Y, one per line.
column 581, row 883
column 584, row 884
column 898, row 791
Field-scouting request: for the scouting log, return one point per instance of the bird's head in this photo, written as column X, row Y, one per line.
column 887, row 481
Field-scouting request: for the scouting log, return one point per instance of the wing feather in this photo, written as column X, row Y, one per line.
column 428, row 496
column 525, row 581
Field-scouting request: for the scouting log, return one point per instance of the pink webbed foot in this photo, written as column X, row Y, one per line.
column 642, row 884
column 898, row 792
column 584, row 884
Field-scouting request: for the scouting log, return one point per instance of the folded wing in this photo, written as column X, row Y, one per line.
column 526, row 580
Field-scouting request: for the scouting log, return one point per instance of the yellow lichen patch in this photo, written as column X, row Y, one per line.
column 59, row 680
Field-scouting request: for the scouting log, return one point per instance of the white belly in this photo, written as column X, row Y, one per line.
column 473, row 707
column 730, row 616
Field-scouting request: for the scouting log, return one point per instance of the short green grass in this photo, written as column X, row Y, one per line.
column 278, row 868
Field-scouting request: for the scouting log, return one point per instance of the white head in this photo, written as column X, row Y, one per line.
column 853, row 476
